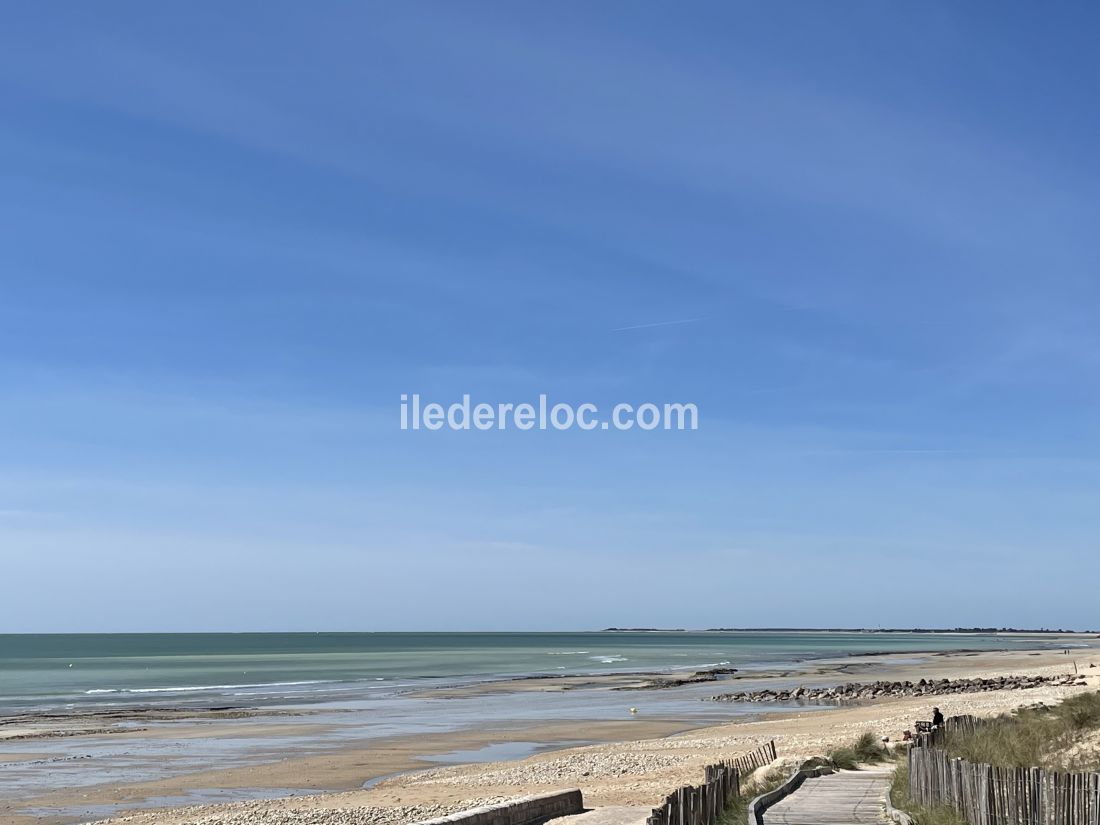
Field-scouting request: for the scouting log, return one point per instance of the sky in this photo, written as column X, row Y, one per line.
column 234, row 234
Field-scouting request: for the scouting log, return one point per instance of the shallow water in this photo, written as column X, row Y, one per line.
column 73, row 671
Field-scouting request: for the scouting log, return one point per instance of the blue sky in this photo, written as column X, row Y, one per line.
column 234, row 234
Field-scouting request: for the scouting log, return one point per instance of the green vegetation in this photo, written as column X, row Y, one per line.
column 1061, row 737
column 867, row 750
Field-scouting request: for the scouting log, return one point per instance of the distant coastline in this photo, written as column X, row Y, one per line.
column 937, row 630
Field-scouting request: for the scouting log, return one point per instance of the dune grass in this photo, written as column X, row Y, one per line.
column 867, row 750
column 1055, row 737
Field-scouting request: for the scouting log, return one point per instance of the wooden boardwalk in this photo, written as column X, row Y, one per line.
column 844, row 798
column 610, row 815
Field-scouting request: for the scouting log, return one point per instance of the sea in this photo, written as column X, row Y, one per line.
column 57, row 672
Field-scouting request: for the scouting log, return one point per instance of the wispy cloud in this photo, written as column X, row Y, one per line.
column 658, row 324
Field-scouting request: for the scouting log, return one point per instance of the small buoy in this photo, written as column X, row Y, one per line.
column 70, row 664
column 633, row 710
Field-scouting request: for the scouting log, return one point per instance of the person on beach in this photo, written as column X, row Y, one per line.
column 937, row 718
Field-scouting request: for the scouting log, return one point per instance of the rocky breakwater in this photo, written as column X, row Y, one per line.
column 662, row 682
column 855, row 691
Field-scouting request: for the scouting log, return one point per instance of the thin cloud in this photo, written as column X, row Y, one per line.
column 658, row 324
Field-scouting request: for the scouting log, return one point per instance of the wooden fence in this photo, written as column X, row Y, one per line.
column 951, row 726
column 704, row 804
column 989, row 795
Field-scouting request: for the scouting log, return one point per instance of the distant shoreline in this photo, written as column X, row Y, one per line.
column 137, row 634
column 985, row 631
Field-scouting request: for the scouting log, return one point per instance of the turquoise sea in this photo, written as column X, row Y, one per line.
column 52, row 672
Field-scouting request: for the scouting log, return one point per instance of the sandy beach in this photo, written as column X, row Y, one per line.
column 634, row 761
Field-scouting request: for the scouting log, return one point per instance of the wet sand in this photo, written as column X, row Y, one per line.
column 348, row 767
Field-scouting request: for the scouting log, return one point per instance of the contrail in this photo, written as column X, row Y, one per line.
column 658, row 324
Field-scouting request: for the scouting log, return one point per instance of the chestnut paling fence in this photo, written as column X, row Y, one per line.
column 704, row 804
column 990, row 795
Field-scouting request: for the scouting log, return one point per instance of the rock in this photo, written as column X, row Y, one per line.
column 875, row 690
